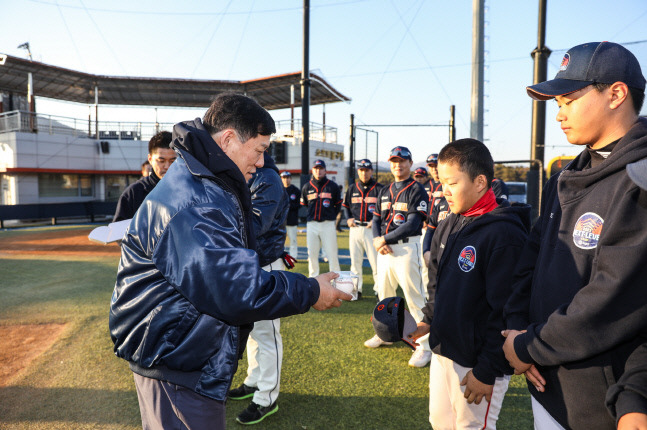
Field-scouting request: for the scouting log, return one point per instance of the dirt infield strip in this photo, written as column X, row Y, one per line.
column 71, row 242
column 20, row 344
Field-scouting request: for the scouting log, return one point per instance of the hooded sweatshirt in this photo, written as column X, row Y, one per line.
column 469, row 283
column 580, row 287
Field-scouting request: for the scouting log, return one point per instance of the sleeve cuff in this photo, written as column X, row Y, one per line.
column 521, row 348
column 628, row 402
column 484, row 374
column 314, row 285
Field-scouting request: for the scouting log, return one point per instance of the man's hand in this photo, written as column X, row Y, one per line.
column 633, row 421
column 475, row 389
column 423, row 329
column 378, row 243
column 329, row 296
column 386, row 249
column 370, row 224
column 351, row 222
column 510, row 354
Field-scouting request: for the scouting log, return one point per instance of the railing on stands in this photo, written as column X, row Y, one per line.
column 321, row 132
column 54, row 211
column 29, row 122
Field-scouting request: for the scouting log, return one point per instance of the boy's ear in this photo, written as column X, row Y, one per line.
column 618, row 93
column 481, row 183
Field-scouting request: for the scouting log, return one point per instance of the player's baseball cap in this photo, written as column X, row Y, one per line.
column 432, row 159
column 400, row 152
column 595, row 62
column 420, row 171
column 365, row 163
column 392, row 322
column 319, row 163
column 286, row 174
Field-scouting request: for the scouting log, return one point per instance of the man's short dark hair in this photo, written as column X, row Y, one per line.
column 160, row 140
column 637, row 95
column 471, row 156
column 240, row 112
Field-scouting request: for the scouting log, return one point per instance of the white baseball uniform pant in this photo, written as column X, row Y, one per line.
column 265, row 355
column 424, row 269
column 322, row 235
column 448, row 408
column 360, row 241
column 291, row 231
column 543, row 420
column 402, row 267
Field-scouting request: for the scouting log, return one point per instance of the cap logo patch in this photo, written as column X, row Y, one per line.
column 565, row 61
column 398, row 219
column 588, row 228
column 467, row 259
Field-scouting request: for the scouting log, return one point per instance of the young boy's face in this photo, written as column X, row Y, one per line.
column 460, row 191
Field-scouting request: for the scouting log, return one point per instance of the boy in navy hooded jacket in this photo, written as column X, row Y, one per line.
column 472, row 254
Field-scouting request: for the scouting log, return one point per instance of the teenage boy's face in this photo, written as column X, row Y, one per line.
column 460, row 191
column 161, row 159
column 433, row 171
column 287, row 180
column 584, row 117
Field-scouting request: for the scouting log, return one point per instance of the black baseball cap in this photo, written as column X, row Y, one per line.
column 319, row 163
column 400, row 152
column 392, row 322
column 286, row 174
column 432, row 159
column 365, row 163
column 420, row 171
column 591, row 63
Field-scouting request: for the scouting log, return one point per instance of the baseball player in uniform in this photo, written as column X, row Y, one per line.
column 293, row 213
column 323, row 199
column 421, row 176
column 265, row 344
column 436, row 188
column 359, row 204
column 397, row 227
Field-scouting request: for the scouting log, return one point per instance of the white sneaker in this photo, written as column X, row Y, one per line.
column 420, row 357
column 375, row 341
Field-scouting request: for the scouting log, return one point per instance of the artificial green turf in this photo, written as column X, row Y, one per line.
column 329, row 379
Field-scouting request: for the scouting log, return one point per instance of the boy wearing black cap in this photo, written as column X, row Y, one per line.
column 397, row 226
column 360, row 203
column 323, row 200
column 579, row 307
column 472, row 254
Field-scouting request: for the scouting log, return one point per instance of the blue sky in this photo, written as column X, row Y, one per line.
column 402, row 62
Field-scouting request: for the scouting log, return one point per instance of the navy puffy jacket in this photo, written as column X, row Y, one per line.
column 187, row 281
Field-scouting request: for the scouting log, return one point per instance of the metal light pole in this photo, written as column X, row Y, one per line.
column 478, row 22
column 305, row 95
column 538, row 134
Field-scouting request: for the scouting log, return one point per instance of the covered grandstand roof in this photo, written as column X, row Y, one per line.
column 272, row 92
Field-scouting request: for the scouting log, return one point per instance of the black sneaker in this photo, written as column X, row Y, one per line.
column 256, row 413
column 242, row 392
column 359, row 295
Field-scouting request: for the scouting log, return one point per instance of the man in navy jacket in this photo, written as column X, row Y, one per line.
column 580, row 282
column 189, row 282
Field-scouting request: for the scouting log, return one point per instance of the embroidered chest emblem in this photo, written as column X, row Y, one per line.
column 586, row 233
column 467, row 259
column 398, row 219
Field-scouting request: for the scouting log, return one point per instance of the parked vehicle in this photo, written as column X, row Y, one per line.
column 517, row 192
